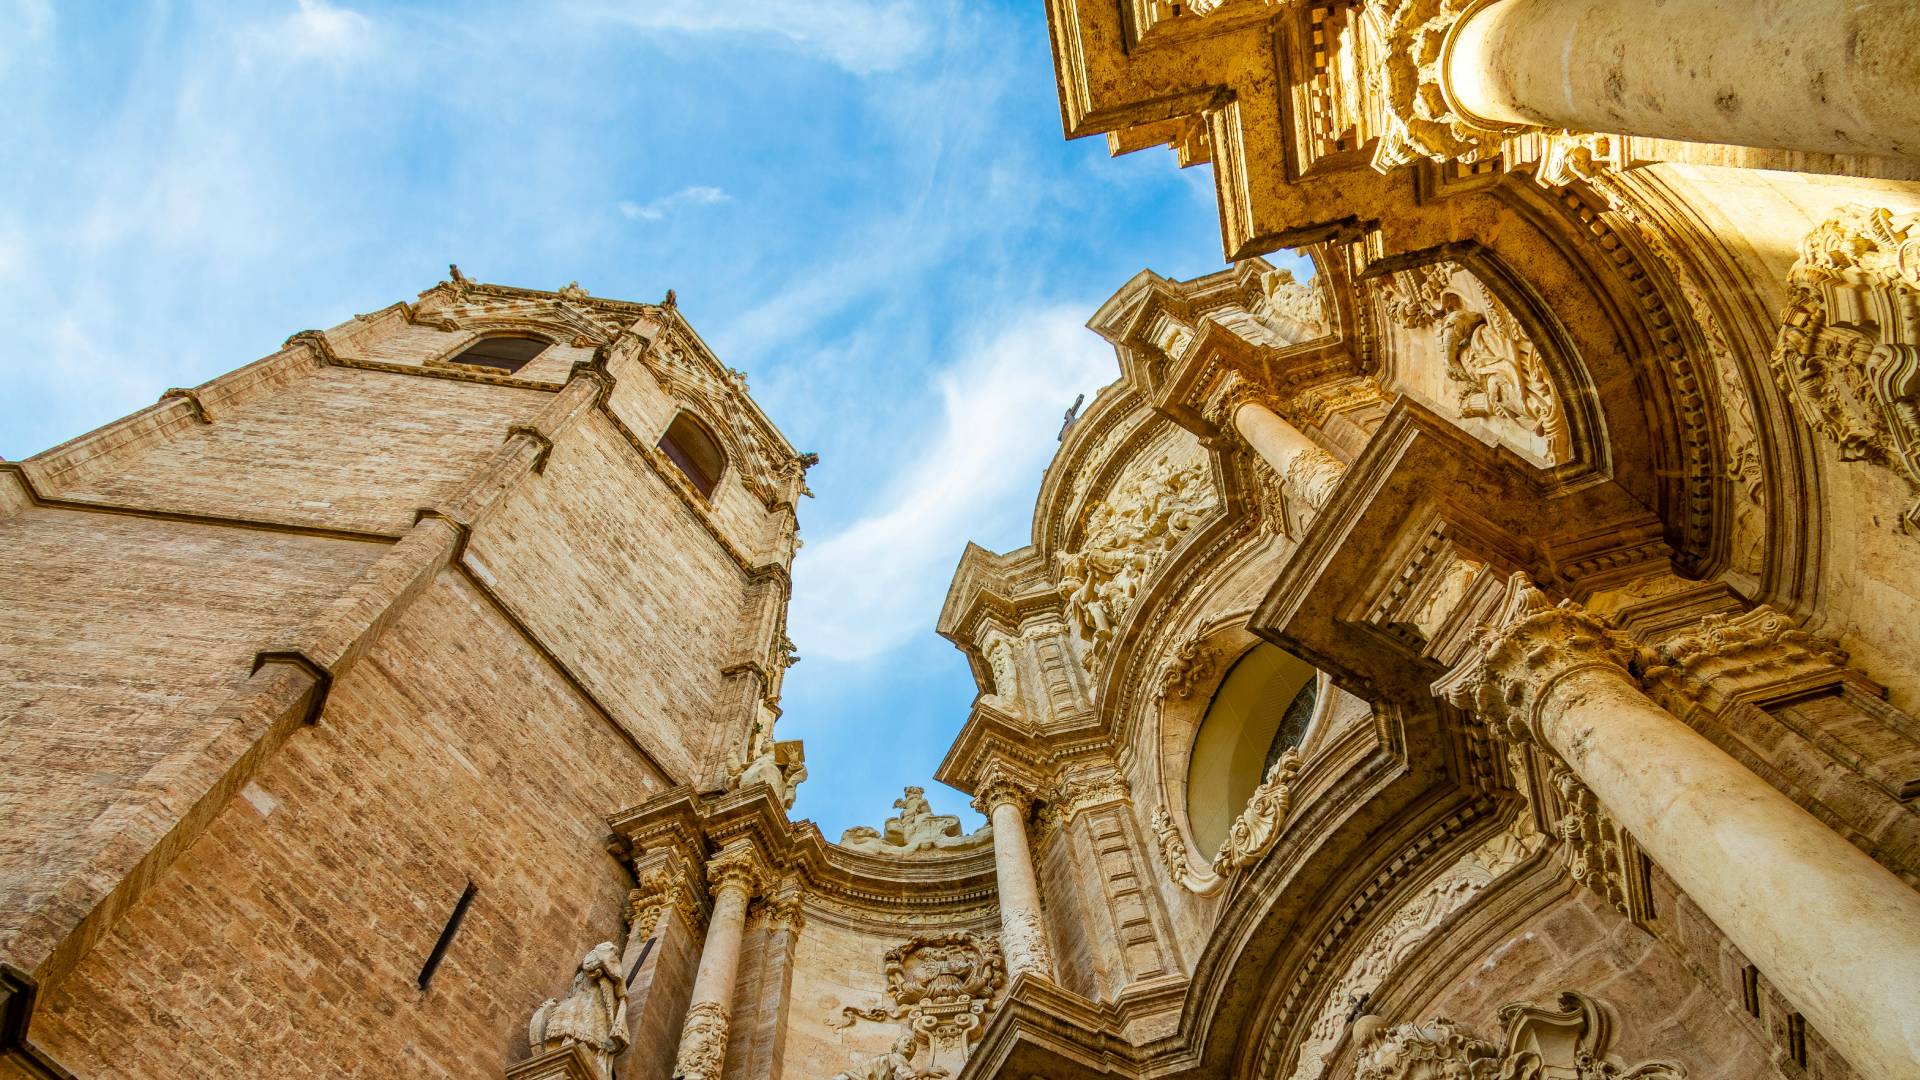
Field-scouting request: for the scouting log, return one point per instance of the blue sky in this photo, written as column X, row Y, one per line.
column 866, row 205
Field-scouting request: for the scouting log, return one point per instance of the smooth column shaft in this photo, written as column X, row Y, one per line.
column 1275, row 440
column 1834, row 76
column 720, row 953
column 1836, row 931
column 1022, row 933
column 703, row 1038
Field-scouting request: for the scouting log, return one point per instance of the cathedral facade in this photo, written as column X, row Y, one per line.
column 1495, row 654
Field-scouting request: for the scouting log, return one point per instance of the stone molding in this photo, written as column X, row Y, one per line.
column 663, row 881
column 1252, row 834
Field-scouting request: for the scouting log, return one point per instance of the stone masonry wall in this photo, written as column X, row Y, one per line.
column 289, row 938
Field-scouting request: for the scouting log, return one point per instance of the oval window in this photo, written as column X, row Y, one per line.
column 1262, row 708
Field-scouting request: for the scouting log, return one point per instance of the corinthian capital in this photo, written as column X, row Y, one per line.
column 737, row 866
column 1531, row 644
column 1421, row 121
column 1003, row 786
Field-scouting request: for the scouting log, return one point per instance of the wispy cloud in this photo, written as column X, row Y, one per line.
column 872, row 586
column 316, row 31
column 658, row 209
column 862, row 36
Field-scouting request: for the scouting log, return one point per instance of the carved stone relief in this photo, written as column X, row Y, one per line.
column 593, row 1016
column 1127, row 535
column 940, row 988
column 1562, row 1043
column 916, row 831
column 1848, row 354
column 1419, row 122
column 1253, row 832
column 1488, row 367
column 1415, row 920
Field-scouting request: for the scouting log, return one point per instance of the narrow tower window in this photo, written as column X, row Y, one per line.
column 688, row 445
column 505, row 352
column 439, row 952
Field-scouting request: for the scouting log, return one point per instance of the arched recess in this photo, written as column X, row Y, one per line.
column 692, row 446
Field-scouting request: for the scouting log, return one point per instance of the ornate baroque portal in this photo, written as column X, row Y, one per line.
column 1472, row 637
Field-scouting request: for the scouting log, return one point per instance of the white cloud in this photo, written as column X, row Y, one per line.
column 658, row 209
column 872, row 586
column 316, row 31
column 862, row 36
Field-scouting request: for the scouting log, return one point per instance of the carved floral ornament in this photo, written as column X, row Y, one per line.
column 1253, row 833
column 1848, row 354
column 1566, row 1042
column 940, row 988
column 1128, row 534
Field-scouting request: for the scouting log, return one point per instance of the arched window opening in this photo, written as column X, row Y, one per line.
column 1262, row 709
column 503, row 352
column 688, row 445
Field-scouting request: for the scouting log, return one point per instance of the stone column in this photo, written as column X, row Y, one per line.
column 1832, row 76
column 1023, row 930
column 1837, row 932
column 1311, row 472
column 735, row 875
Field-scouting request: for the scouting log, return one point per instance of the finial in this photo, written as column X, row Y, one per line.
column 669, row 301
column 458, row 277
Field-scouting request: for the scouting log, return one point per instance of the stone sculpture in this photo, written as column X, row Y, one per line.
column 916, row 831
column 1127, row 535
column 941, row 988
column 895, row 1064
column 593, row 1016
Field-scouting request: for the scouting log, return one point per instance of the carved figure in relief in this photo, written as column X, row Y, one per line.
column 594, row 1014
column 1127, row 534
column 1489, row 360
column 916, row 830
column 1290, row 308
column 895, row 1064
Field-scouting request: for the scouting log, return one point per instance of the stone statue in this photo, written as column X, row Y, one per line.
column 593, row 1016
column 895, row 1064
column 779, row 765
column 917, row 829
